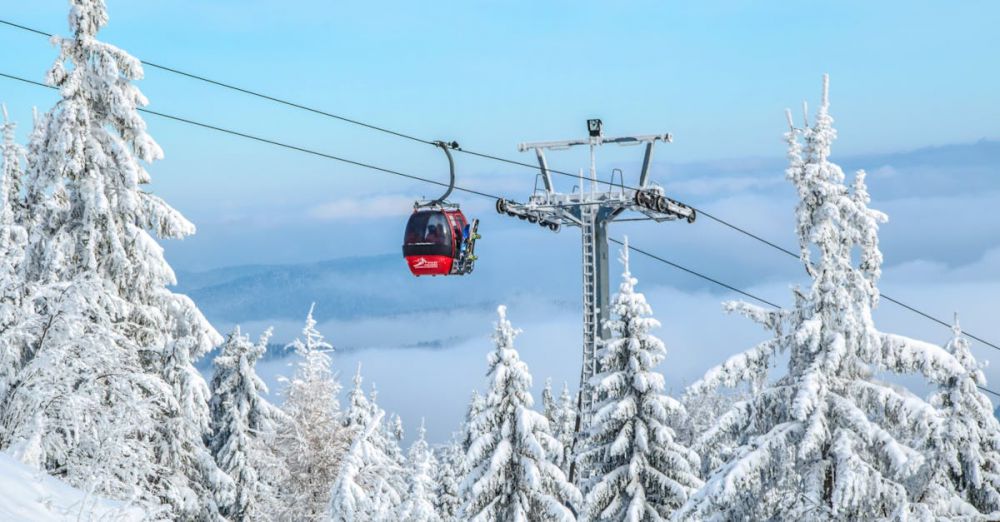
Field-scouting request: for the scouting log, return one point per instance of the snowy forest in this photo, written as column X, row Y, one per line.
column 99, row 389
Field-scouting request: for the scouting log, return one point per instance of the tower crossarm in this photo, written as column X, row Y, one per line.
column 595, row 140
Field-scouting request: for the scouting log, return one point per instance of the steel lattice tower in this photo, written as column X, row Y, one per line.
column 593, row 210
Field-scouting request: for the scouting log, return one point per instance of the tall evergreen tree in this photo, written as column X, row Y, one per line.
column 510, row 474
column 367, row 487
column 447, row 476
column 640, row 472
column 387, row 476
column 565, row 428
column 243, row 428
column 108, row 372
column 468, row 435
column 351, row 497
column 390, row 442
column 549, row 407
column 966, row 442
column 418, row 502
column 701, row 413
column 477, row 403
column 561, row 414
column 14, row 341
column 826, row 440
column 310, row 441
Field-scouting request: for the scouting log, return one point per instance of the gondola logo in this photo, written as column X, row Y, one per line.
column 424, row 263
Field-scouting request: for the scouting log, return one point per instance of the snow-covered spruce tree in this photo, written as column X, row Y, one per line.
column 510, row 474
column 14, row 341
column 368, row 481
column 639, row 471
column 966, row 445
column 351, row 498
column 110, row 371
column 477, row 403
column 561, row 414
column 468, row 435
column 418, row 501
column 310, row 441
column 391, row 444
column 826, row 440
column 394, row 426
column 243, row 428
column 565, row 428
column 447, row 476
column 390, row 483
column 701, row 413
column 549, row 407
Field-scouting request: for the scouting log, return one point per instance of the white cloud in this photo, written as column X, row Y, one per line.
column 435, row 383
column 379, row 206
column 884, row 171
column 363, row 207
column 709, row 186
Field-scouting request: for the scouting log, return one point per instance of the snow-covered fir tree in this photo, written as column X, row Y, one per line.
column 368, row 483
column 561, row 413
column 701, row 412
column 185, row 433
column 12, row 233
column 418, row 501
column 243, row 428
column 477, row 403
column 549, row 407
column 20, row 325
column 310, row 441
column 360, row 410
column 108, row 371
column 639, row 471
column 351, row 498
column 14, row 343
column 510, row 473
column 966, row 445
column 468, row 435
column 391, row 444
column 395, row 424
column 826, row 440
column 448, row 477
column 391, row 478
column 565, row 428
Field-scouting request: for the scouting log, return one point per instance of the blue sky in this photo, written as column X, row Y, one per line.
column 716, row 74
column 908, row 79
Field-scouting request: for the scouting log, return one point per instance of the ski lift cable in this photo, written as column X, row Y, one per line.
column 248, row 91
column 679, row 267
column 288, row 103
column 473, row 153
column 314, row 110
column 275, row 143
column 393, row 172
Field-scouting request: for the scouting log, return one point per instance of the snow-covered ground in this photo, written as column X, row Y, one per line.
column 30, row 495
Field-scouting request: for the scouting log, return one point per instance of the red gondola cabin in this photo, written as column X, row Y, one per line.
column 434, row 241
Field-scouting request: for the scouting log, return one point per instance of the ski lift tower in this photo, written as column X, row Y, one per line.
column 593, row 210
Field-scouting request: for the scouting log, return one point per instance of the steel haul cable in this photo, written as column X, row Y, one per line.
column 386, row 171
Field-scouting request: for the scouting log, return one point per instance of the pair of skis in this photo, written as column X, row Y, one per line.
column 467, row 254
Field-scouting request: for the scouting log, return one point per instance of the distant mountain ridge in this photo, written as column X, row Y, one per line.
column 344, row 287
column 931, row 170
